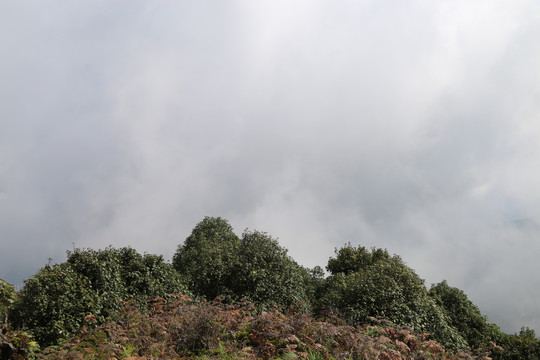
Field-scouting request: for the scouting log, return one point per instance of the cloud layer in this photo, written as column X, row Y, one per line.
column 408, row 126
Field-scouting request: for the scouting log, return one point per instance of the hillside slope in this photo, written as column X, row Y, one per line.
column 179, row 328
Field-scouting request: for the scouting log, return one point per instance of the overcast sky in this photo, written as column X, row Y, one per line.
column 408, row 125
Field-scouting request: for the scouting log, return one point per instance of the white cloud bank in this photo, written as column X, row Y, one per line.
column 408, row 126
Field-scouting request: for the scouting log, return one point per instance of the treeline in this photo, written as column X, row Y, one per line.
column 213, row 262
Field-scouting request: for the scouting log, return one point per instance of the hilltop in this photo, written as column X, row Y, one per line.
column 177, row 327
column 244, row 297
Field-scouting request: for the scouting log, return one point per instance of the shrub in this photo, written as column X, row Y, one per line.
column 522, row 346
column 7, row 298
column 208, row 257
column 463, row 314
column 218, row 263
column 125, row 274
column 54, row 303
column 374, row 284
column 350, row 259
column 267, row 275
column 16, row 345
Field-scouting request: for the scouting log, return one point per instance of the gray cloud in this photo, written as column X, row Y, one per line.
column 408, row 126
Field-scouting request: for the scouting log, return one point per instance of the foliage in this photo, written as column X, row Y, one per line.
column 267, row 275
column 314, row 285
column 123, row 274
column 171, row 327
column 464, row 315
column 262, row 297
column 522, row 346
column 177, row 327
column 7, row 298
column 374, row 284
column 350, row 259
column 54, row 303
column 16, row 344
column 218, row 263
column 208, row 258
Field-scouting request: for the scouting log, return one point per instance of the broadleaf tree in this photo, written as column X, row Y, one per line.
column 54, row 302
column 367, row 283
column 217, row 262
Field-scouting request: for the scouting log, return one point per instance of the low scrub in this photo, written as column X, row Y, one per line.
column 178, row 327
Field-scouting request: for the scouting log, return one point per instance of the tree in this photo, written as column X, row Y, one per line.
column 373, row 283
column 350, row 259
column 314, row 285
column 208, row 257
column 266, row 274
column 218, row 263
column 7, row 298
column 522, row 346
column 464, row 315
column 54, row 302
column 126, row 274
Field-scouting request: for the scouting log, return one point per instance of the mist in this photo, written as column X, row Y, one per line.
column 406, row 126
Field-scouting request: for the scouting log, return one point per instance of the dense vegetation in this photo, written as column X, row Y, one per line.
column 250, row 299
column 218, row 263
column 177, row 327
column 372, row 283
column 53, row 303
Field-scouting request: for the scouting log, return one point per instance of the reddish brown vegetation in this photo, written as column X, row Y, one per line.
column 179, row 328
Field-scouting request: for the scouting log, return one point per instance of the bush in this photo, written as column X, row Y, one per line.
column 374, row 284
column 16, row 345
column 522, row 346
column 463, row 314
column 350, row 259
column 208, row 257
column 54, row 303
column 7, row 298
column 125, row 274
column 218, row 263
column 266, row 275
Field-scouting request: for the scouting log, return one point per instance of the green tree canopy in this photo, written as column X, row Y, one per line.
column 54, row 302
column 350, row 259
column 216, row 262
column 373, row 283
column 208, row 258
column 464, row 315
column 266, row 274
column 7, row 298
column 124, row 273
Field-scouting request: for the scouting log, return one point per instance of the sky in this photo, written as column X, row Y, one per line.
column 407, row 125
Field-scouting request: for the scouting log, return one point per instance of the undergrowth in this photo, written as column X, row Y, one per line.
column 179, row 328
